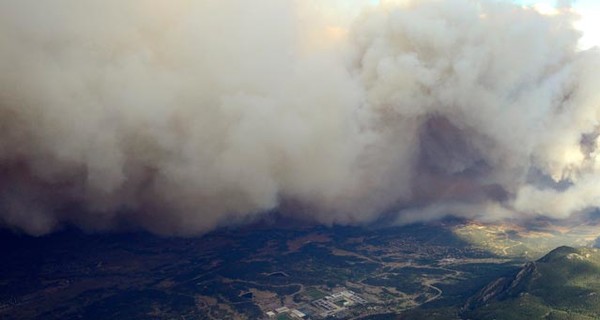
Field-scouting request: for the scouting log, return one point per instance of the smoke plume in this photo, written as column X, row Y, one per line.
column 182, row 116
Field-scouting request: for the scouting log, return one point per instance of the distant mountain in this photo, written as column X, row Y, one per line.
column 564, row 284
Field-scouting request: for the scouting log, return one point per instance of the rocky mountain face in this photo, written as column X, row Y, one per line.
column 565, row 283
column 504, row 287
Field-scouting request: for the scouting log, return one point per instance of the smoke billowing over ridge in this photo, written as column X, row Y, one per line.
column 182, row 116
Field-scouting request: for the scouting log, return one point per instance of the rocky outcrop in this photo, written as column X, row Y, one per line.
column 504, row 287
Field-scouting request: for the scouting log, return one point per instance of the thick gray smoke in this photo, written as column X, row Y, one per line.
column 180, row 116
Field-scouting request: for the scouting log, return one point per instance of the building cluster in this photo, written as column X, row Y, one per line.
column 292, row 313
column 320, row 308
column 337, row 302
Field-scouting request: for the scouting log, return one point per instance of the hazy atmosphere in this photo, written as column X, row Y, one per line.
column 182, row 116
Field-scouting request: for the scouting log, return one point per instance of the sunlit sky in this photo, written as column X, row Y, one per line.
column 588, row 9
column 590, row 18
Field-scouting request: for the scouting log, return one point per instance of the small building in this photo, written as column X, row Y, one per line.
column 298, row 313
column 271, row 314
column 282, row 310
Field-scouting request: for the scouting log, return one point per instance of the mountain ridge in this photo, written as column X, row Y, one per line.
column 563, row 284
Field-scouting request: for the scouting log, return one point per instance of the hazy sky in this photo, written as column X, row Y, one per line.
column 590, row 18
column 588, row 9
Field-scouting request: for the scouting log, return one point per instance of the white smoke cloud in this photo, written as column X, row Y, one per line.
column 183, row 116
